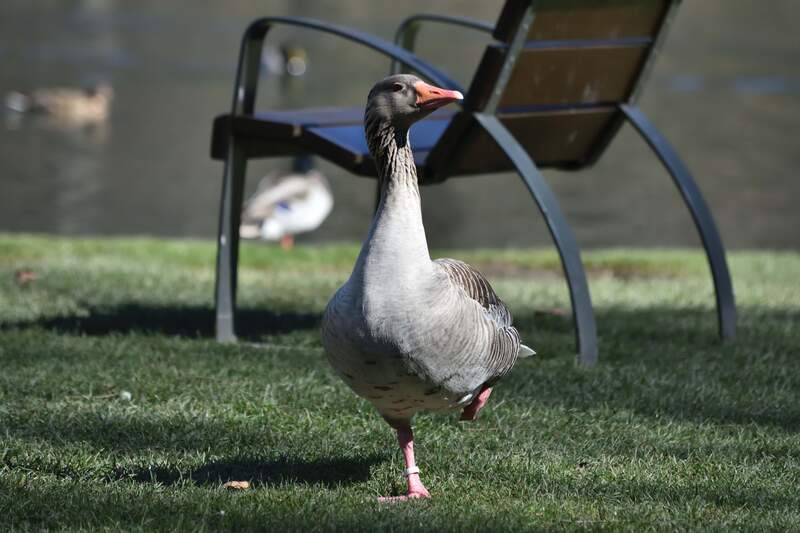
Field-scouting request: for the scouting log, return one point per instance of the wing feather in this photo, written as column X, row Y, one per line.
column 505, row 345
column 477, row 287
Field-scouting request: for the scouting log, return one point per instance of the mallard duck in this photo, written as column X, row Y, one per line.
column 288, row 59
column 284, row 206
column 77, row 106
column 407, row 333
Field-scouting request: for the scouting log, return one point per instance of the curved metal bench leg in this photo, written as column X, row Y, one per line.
column 228, row 242
column 726, row 305
column 582, row 312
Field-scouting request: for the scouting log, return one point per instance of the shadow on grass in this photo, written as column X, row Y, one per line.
column 83, row 505
column 677, row 331
column 180, row 321
column 328, row 472
column 136, row 434
column 146, row 431
column 642, row 506
column 661, row 362
column 667, row 362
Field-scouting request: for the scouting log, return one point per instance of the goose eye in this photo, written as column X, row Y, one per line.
column 397, row 87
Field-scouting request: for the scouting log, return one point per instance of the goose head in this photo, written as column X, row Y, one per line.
column 403, row 99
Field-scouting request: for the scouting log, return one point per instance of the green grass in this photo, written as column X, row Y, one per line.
column 670, row 430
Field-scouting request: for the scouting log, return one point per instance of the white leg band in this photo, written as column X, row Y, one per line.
column 412, row 470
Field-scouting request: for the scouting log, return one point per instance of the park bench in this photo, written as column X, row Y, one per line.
column 551, row 90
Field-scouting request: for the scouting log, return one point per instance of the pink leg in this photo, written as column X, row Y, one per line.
column 287, row 242
column 416, row 489
column 470, row 412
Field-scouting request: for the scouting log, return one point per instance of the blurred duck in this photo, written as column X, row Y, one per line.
column 70, row 105
column 288, row 59
column 287, row 205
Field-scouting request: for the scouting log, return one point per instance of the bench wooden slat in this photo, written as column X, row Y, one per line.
column 552, row 138
column 277, row 131
column 558, row 76
column 556, row 138
column 584, row 19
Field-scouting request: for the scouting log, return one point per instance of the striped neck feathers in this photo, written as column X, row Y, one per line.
column 391, row 151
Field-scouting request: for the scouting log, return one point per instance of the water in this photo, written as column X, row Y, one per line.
column 725, row 91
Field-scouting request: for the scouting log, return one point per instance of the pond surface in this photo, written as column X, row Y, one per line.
column 725, row 92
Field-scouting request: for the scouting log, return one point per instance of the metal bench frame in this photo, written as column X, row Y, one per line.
column 401, row 55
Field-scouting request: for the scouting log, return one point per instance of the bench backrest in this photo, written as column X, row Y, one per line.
column 555, row 76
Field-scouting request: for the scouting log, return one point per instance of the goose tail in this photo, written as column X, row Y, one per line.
column 525, row 351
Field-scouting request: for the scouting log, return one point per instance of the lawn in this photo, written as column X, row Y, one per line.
column 671, row 430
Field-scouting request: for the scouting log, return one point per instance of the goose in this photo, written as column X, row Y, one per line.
column 287, row 205
column 69, row 105
column 405, row 332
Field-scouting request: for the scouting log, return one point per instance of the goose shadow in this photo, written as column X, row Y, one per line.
column 183, row 321
column 329, row 472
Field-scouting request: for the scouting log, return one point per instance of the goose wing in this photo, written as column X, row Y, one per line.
column 477, row 287
column 505, row 346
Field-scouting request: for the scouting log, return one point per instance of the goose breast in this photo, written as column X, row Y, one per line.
column 422, row 349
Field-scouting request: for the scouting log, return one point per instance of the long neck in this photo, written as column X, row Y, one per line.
column 396, row 242
column 394, row 160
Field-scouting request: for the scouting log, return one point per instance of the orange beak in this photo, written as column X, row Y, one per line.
column 430, row 97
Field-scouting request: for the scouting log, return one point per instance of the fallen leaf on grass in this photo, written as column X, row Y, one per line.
column 237, row 485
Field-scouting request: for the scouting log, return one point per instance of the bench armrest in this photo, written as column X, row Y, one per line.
column 250, row 56
column 406, row 33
